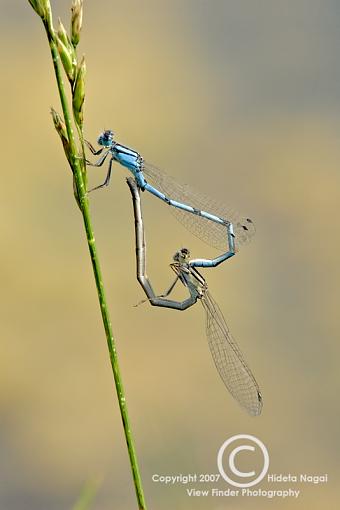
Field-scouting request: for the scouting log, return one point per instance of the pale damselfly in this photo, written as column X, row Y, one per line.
column 229, row 361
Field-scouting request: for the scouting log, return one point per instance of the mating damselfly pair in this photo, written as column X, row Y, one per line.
column 220, row 227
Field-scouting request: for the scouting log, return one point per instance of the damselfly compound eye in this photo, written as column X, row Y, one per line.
column 106, row 138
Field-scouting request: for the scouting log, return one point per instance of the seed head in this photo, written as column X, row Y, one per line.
column 68, row 59
column 62, row 34
column 39, row 7
column 61, row 130
column 79, row 93
column 43, row 9
column 76, row 21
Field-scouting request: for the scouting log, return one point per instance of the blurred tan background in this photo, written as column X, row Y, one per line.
column 242, row 100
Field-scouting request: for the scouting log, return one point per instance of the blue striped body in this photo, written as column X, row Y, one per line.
column 218, row 231
column 127, row 157
column 133, row 161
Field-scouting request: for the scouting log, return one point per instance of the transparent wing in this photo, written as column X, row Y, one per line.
column 210, row 232
column 229, row 360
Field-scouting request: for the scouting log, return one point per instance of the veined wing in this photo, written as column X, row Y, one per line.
column 229, row 360
column 210, row 232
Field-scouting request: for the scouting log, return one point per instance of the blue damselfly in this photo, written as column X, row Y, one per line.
column 201, row 215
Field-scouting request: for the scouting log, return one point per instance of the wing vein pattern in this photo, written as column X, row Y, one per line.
column 229, row 360
column 210, row 232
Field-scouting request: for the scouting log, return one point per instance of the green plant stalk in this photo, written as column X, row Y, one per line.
column 84, row 207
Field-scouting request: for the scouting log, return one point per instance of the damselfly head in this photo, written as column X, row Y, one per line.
column 106, row 138
column 183, row 255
